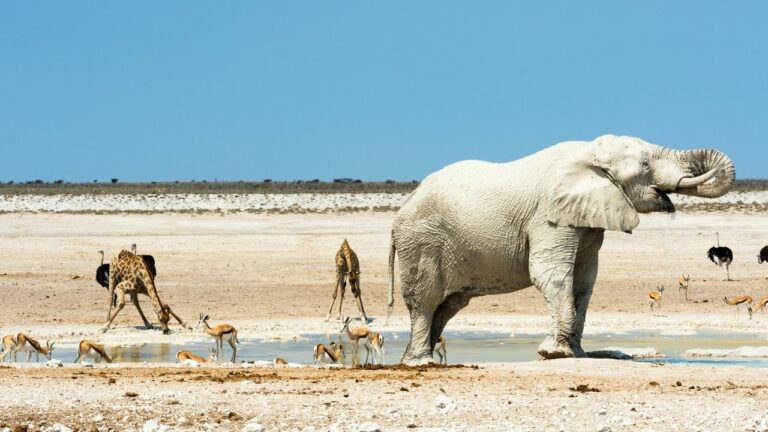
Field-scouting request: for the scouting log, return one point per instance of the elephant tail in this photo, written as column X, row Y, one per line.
column 391, row 296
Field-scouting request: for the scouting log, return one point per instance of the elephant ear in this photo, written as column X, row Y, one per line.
column 584, row 195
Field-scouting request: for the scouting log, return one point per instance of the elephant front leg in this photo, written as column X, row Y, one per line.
column 552, row 270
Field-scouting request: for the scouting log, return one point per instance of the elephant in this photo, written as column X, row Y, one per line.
column 476, row 228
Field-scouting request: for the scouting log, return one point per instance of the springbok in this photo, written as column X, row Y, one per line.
column 9, row 346
column 654, row 297
column 374, row 342
column 354, row 336
column 761, row 304
column 324, row 354
column 738, row 301
column 88, row 348
column 440, row 350
column 221, row 333
column 184, row 355
column 683, row 285
column 25, row 343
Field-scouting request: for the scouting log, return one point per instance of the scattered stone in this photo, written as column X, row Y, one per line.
column 602, row 412
column 58, row 428
column 54, row 363
column 154, row 426
column 252, row 426
column 97, row 418
column 131, row 394
column 111, row 381
column 309, row 429
column 368, row 427
column 86, row 363
column 445, row 404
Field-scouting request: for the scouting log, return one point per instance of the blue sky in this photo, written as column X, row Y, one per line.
column 181, row 90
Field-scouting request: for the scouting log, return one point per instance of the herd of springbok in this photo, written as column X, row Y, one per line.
column 720, row 255
column 132, row 274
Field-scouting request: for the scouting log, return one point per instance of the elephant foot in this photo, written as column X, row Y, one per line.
column 422, row 360
column 551, row 349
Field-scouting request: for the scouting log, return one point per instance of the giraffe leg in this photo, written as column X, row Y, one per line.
column 135, row 300
column 120, row 291
column 342, row 288
column 181, row 321
column 339, row 282
column 355, row 287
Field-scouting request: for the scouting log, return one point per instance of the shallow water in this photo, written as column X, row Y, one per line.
column 463, row 347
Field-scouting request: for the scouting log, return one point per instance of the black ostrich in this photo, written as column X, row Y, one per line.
column 763, row 255
column 102, row 277
column 721, row 255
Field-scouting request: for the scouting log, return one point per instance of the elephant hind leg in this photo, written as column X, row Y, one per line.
column 447, row 310
column 419, row 349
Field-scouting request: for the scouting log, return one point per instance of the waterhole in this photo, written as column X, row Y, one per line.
column 469, row 347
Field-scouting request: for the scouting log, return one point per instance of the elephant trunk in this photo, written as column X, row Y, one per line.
column 704, row 173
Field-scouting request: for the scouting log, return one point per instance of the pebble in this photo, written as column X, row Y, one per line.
column 154, row 426
column 54, row 363
column 445, row 404
column 58, row 428
column 252, row 426
column 368, row 427
column 97, row 418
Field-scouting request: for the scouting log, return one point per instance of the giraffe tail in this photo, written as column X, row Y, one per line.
column 391, row 295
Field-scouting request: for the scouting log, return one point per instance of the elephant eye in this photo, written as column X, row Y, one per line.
column 646, row 164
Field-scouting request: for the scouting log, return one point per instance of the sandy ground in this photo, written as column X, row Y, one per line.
column 272, row 276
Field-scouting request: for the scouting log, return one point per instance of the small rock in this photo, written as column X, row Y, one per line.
column 252, row 426
column 86, row 363
column 58, row 427
column 602, row 412
column 444, row 404
column 309, row 429
column 97, row 418
column 368, row 427
column 154, row 426
column 190, row 363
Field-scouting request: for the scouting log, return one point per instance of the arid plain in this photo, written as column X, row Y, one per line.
column 271, row 274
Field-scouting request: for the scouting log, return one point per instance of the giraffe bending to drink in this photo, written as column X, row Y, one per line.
column 129, row 275
column 347, row 270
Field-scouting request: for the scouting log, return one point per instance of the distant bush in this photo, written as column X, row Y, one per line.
column 267, row 180
column 114, row 180
column 59, row 181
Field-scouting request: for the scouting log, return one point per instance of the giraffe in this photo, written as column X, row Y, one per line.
column 129, row 275
column 347, row 269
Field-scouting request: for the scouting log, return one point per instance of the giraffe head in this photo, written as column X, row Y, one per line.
column 165, row 316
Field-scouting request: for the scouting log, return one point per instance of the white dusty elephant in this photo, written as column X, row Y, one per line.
column 476, row 228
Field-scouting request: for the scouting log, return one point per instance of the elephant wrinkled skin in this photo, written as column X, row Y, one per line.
column 476, row 228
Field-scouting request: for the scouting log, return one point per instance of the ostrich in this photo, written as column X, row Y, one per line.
column 102, row 277
column 721, row 255
column 763, row 255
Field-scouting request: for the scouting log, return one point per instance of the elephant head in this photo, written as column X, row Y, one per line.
column 607, row 182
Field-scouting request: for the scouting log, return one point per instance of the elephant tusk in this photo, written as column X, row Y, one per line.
column 688, row 182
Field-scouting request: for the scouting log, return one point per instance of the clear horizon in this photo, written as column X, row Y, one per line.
column 176, row 91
